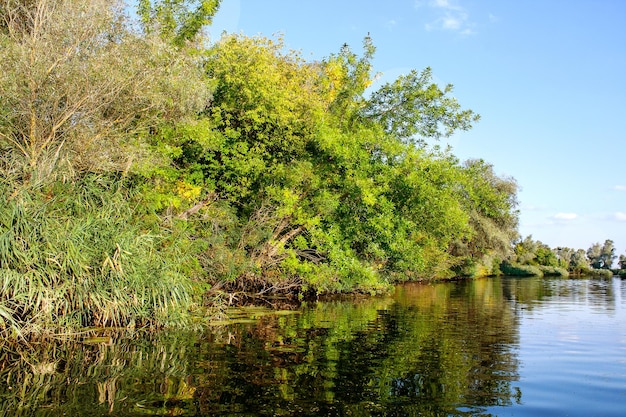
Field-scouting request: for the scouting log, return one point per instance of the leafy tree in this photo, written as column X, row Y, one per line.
column 395, row 208
column 622, row 262
column 285, row 147
column 177, row 21
column 594, row 255
column 545, row 256
column 608, row 254
column 531, row 252
column 252, row 148
column 579, row 262
column 491, row 202
column 602, row 256
column 564, row 256
column 264, row 110
column 345, row 77
column 77, row 86
column 414, row 108
column 526, row 251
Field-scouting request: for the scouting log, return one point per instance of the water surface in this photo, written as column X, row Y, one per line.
column 489, row 347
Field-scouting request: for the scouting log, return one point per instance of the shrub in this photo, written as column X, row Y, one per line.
column 600, row 273
column 553, row 271
column 518, row 270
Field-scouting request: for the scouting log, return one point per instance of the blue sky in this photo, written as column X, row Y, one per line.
column 548, row 78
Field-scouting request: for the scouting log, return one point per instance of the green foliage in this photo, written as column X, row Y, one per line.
column 345, row 77
column 579, row 263
column 564, row 256
column 493, row 218
column 599, row 273
column 414, row 108
column 546, row 257
column 601, row 256
column 531, row 255
column 263, row 112
column 553, row 271
column 78, row 87
column 518, row 270
column 178, row 21
column 325, row 190
column 75, row 255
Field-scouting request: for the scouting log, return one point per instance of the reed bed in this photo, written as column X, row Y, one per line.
column 78, row 254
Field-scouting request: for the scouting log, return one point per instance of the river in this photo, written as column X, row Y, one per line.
column 487, row 347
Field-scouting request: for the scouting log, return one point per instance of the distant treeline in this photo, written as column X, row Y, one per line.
column 147, row 174
column 531, row 257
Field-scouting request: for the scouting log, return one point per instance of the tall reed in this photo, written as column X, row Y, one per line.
column 79, row 254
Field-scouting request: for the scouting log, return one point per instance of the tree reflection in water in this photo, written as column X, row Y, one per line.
column 444, row 349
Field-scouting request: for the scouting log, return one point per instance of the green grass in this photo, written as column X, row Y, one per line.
column 78, row 254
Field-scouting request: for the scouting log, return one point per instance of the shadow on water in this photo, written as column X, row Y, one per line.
column 448, row 349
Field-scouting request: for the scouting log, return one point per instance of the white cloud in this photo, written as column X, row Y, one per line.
column 620, row 187
column 445, row 4
column 451, row 23
column 448, row 16
column 620, row 216
column 565, row 216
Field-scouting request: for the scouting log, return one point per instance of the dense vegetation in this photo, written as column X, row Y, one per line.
column 146, row 173
column 532, row 257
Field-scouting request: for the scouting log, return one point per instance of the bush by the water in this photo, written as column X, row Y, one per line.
column 518, row 270
column 600, row 273
column 553, row 271
column 76, row 254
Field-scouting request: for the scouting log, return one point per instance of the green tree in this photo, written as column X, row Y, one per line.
column 564, row 256
column 491, row 202
column 178, row 21
column 545, row 256
column 622, row 262
column 601, row 256
column 579, row 262
column 77, row 86
column 264, row 109
column 526, row 251
column 608, row 254
column 255, row 152
column 344, row 78
column 594, row 255
column 416, row 109
column 289, row 152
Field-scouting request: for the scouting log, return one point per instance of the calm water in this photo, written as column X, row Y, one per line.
column 497, row 347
